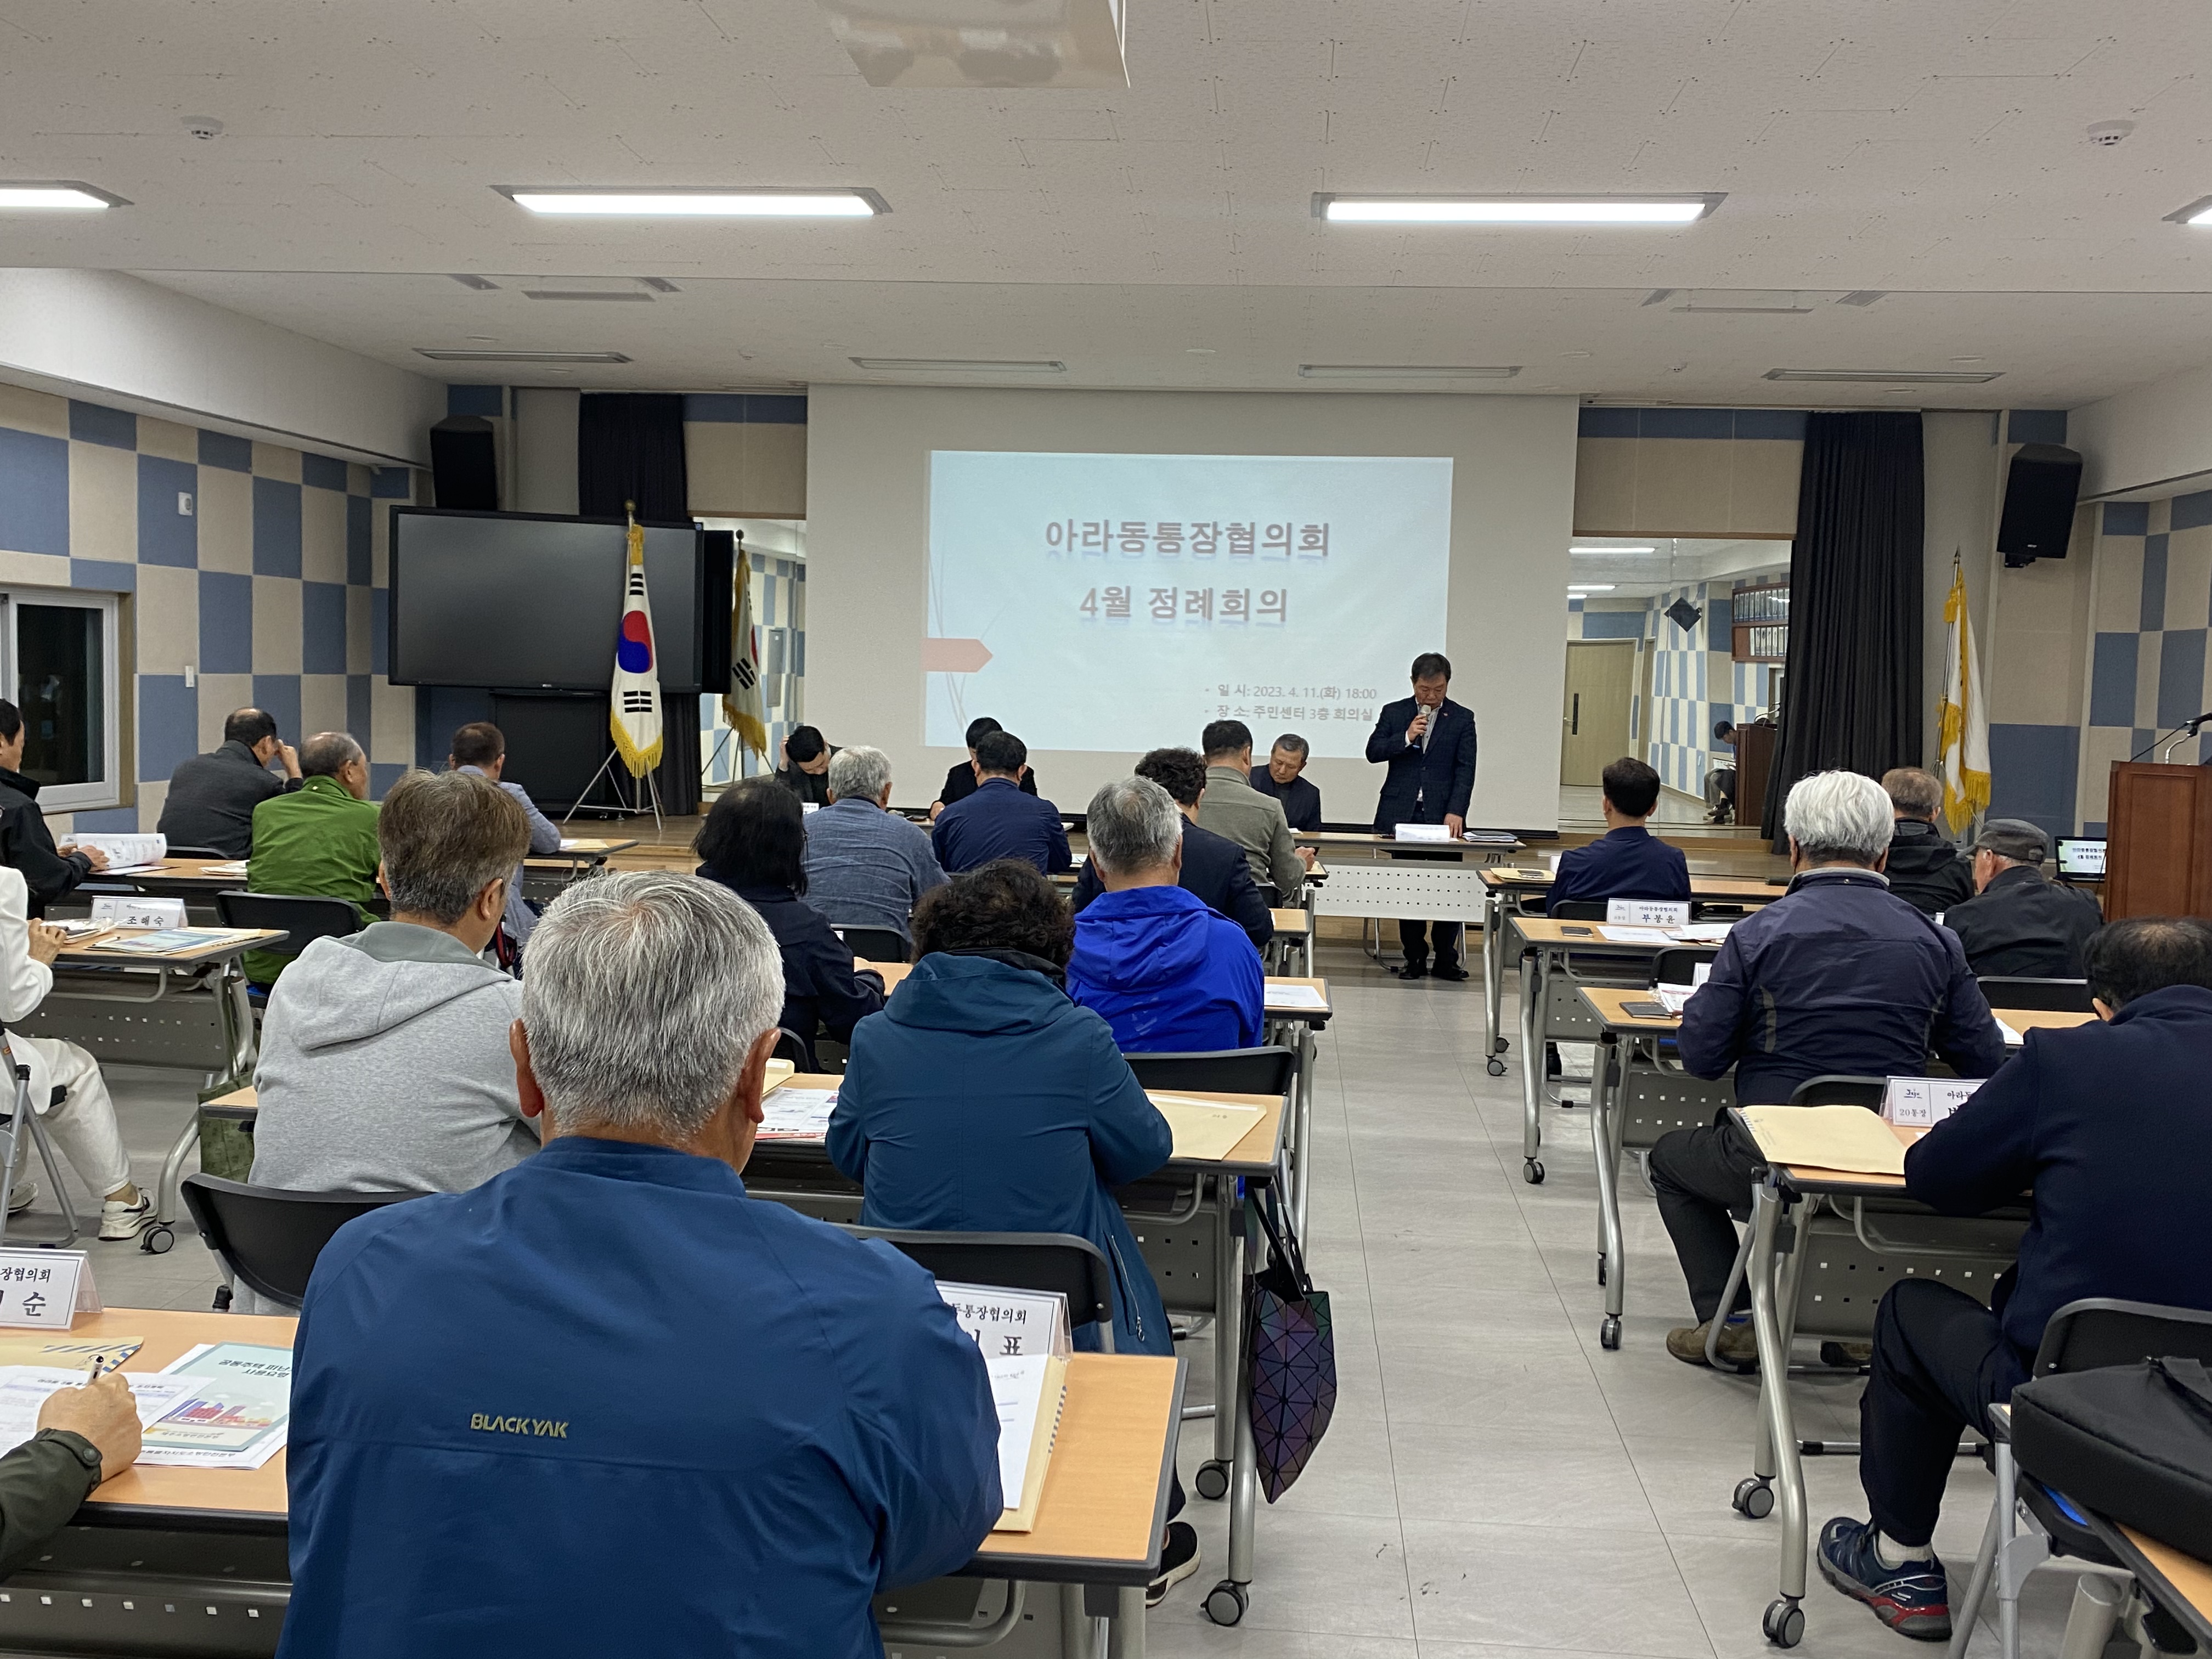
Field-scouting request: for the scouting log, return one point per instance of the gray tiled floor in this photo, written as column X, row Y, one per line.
column 1495, row 1482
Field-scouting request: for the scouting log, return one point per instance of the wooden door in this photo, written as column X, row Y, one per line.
column 2160, row 827
column 1594, row 723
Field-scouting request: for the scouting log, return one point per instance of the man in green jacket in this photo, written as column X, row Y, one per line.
column 318, row 842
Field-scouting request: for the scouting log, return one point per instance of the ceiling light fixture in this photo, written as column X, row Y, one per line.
column 633, row 294
column 1407, row 371
column 461, row 355
column 699, row 203
column 959, row 365
column 66, row 194
column 480, row 285
column 1590, row 588
column 1513, row 210
column 2197, row 213
column 1879, row 376
column 1613, row 549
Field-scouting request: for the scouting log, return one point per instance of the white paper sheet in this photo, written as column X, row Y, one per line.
column 1018, row 1390
column 233, row 1410
column 2013, row 1039
column 1633, row 935
column 791, row 1114
column 1701, row 933
column 24, row 1388
column 1295, row 996
column 125, row 851
column 1675, row 998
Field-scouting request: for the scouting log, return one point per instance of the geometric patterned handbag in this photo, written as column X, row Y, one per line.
column 1291, row 1352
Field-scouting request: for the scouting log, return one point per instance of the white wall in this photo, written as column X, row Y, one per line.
column 1512, row 514
column 126, row 342
column 544, row 474
column 2150, row 435
column 1963, row 465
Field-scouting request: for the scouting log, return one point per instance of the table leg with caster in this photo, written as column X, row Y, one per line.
column 1226, row 1601
column 1494, row 981
column 1532, row 1066
column 1611, row 1270
column 1213, row 1479
column 1784, row 1623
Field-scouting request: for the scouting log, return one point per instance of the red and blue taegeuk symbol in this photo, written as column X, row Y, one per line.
column 633, row 651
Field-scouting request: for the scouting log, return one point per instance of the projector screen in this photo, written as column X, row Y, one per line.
column 1280, row 590
column 970, row 551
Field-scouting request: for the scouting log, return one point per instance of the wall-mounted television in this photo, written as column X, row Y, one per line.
column 530, row 602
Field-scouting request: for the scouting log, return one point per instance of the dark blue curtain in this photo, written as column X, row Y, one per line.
column 1851, row 698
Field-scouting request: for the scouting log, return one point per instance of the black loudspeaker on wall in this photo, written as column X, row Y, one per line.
column 2038, row 504
column 464, row 467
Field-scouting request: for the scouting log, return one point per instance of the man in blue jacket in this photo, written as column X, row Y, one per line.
column 999, row 821
column 1168, row 974
column 609, row 1370
column 1427, row 740
column 1837, row 976
column 2109, row 1126
column 1628, row 861
column 1214, row 868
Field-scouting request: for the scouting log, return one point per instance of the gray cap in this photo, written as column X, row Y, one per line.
column 2014, row 838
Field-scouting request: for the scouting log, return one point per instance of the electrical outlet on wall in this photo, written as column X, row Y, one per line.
column 184, row 503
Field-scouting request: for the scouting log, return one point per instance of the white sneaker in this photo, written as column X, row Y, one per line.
column 26, row 1194
column 120, row 1221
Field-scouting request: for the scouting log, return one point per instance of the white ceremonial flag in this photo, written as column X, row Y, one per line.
column 1964, row 722
column 634, row 713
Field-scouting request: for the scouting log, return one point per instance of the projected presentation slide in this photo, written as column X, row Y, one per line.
column 1121, row 602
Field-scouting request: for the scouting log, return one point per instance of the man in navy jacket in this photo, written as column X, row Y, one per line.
column 1427, row 740
column 609, row 1367
column 999, row 821
column 1837, row 976
column 1629, row 861
column 2110, row 1127
column 1215, row 871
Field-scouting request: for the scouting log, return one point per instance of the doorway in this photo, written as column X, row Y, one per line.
column 1594, row 721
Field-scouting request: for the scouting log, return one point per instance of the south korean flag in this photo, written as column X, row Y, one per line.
column 635, row 713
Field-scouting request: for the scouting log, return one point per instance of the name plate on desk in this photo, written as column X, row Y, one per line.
column 1424, row 832
column 1004, row 1323
column 138, row 912
column 46, row 1289
column 1648, row 913
column 1922, row 1102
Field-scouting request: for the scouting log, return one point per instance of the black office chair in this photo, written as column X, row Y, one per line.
column 791, row 1045
column 213, row 855
column 1835, row 1089
column 303, row 918
column 1044, row 1262
column 1221, row 1072
column 269, row 1238
column 2081, row 1336
column 1678, row 964
column 2064, row 996
column 1577, row 910
column 874, row 944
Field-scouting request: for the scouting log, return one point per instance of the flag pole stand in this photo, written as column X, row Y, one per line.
column 640, row 792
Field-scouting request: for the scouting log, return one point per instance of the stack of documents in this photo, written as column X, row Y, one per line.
column 125, row 853
column 226, row 1405
column 797, row 1114
column 1029, row 1390
column 1206, row 1128
column 1846, row 1138
column 1286, row 998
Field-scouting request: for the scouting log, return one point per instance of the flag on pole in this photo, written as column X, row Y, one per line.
column 1964, row 739
column 742, row 704
column 635, row 712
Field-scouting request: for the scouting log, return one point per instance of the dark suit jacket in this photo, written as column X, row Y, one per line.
column 1925, row 870
column 1215, row 871
column 821, row 987
column 1301, row 798
column 2022, row 924
column 27, row 845
column 1000, row 822
column 212, row 797
column 1629, row 863
column 960, row 783
column 1440, row 779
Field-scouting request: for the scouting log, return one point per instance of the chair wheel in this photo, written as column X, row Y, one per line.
column 1496, row 1067
column 1532, row 1171
column 1785, row 1623
column 1608, row 1334
column 1225, row 1602
column 1754, row 1497
column 157, row 1239
column 1211, row 1480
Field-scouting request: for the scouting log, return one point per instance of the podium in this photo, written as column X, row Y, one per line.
column 2158, row 860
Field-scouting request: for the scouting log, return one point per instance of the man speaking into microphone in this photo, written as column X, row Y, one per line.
column 1427, row 740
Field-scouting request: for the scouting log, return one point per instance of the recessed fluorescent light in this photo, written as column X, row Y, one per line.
column 959, row 365
column 1879, row 376
column 1613, row 549
column 459, row 355
column 700, row 203
column 65, row 194
column 585, row 293
column 1590, row 588
column 2197, row 213
column 1407, row 371
column 481, row 284
column 1426, row 209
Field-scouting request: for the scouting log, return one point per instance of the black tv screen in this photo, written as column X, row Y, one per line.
column 519, row 601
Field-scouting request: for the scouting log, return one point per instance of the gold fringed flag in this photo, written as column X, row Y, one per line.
column 742, row 704
column 634, row 714
column 1965, row 741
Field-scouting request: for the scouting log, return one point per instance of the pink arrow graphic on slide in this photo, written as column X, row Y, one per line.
column 953, row 656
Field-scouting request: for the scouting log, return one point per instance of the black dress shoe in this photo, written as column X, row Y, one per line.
column 1450, row 970
column 1412, row 971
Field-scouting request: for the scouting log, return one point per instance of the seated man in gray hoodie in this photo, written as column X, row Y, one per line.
column 385, row 1064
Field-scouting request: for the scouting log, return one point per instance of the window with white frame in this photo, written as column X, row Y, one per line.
column 57, row 661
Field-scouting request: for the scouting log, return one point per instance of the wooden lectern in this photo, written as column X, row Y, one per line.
column 2158, row 861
